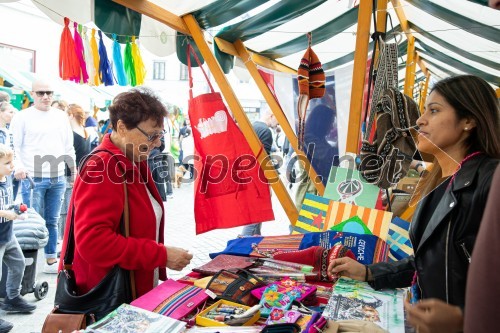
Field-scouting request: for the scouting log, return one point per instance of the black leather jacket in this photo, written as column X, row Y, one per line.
column 442, row 257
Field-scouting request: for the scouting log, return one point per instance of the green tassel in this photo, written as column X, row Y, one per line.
column 128, row 63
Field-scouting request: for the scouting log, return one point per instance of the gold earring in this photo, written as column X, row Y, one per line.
column 466, row 129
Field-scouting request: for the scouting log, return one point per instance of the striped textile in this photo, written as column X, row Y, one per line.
column 377, row 221
column 177, row 302
column 312, row 214
column 271, row 244
column 399, row 240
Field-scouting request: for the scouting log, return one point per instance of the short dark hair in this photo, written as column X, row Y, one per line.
column 135, row 106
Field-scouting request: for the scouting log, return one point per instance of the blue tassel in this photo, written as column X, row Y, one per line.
column 105, row 69
column 121, row 78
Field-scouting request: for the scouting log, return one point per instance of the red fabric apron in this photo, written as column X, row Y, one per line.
column 230, row 187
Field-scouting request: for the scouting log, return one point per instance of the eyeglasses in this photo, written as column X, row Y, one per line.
column 154, row 136
column 41, row 93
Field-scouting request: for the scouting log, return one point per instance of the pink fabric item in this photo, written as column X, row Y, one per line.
column 172, row 299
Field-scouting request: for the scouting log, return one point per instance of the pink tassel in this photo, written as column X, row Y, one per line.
column 84, row 76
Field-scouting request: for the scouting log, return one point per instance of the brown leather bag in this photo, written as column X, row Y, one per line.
column 63, row 323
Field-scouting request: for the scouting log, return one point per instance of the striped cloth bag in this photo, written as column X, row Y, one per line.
column 399, row 240
column 377, row 221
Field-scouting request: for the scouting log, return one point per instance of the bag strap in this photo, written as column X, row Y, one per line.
column 189, row 51
column 124, row 227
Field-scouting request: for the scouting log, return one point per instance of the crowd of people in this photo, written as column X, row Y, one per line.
column 451, row 231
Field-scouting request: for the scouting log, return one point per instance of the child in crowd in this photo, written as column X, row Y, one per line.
column 10, row 251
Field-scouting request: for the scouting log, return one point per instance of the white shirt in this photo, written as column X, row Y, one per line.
column 43, row 142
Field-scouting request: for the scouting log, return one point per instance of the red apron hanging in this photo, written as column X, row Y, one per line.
column 230, row 188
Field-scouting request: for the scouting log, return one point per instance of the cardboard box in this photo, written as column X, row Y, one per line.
column 201, row 320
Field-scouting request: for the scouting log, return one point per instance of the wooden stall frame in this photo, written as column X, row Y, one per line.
column 278, row 113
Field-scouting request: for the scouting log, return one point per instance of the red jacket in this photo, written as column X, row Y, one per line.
column 98, row 199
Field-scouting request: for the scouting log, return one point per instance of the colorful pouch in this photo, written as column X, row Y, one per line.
column 271, row 298
column 172, row 299
column 291, row 287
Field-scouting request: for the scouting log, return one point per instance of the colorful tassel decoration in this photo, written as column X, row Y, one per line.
column 84, row 77
column 69, row 67
column 140, row 69
column 105, row 69
column 128, row 64
column 121, row 78
column 89, row 59
column 95, row 58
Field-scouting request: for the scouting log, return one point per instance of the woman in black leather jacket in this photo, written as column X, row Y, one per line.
column 460, row 128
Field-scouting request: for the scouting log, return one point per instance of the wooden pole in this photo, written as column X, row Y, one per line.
column 278, row 113
column 358, row 76
column 423, row 97
column 410, row 67
column 243, row 121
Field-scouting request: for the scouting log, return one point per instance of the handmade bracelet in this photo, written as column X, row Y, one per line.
column 366, row 273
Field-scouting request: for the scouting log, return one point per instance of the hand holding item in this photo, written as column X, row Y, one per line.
column 434, row 316
column 347, row 267
column 177, row 258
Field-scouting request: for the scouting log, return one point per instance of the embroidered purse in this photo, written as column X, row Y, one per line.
column 172, row 299
column 235, row 286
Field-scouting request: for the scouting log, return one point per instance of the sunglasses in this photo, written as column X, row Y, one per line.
column 154, row 136
column 41, row 93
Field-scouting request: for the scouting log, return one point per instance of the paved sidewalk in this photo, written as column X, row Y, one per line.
column 179, row 231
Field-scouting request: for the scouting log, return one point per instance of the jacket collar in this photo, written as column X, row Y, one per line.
column 108, row 145
column 463, row 179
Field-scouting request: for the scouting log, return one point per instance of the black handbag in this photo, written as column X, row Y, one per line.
column 116, row 288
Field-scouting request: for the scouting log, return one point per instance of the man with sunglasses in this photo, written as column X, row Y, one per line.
column 43, row 143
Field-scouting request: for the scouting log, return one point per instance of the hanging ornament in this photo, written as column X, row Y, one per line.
column 128, row 61
column 121, row 78
column 84, row 77
column 89, row 59
column 140, row 69
column 95, row 57
column 105, row 69
column 311, row 79
column 68, row 60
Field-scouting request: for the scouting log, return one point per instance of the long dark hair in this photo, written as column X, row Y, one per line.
column 471, row 97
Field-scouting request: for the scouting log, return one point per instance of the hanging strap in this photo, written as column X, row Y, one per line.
column 189, row 51
column 124, row 229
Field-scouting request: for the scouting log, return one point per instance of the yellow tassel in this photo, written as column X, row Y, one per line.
column 95, row 56
column 140, row 69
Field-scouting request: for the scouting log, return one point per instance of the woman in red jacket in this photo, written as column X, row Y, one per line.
column 98, row 200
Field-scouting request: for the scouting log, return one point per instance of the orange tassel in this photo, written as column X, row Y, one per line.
column 69, row 66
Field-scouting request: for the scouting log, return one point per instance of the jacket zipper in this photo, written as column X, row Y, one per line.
column 467, row 254
column 446, row 261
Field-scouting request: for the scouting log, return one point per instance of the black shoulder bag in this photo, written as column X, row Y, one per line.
column 116, row 288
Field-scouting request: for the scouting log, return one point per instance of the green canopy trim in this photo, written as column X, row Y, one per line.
column 465, row 23
column 321, row 34
column 453, row 48
column 402, row 50
column 220, row 12
column 433, row 63
column 429, row 51
column 273, row 17
column 111, row 18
